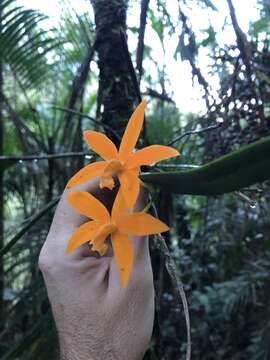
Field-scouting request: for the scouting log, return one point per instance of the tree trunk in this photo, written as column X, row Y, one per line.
column 116, row 90
column 1, row 189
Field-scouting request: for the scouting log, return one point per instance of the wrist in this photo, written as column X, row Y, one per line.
column 70, row 353
column 86, row 352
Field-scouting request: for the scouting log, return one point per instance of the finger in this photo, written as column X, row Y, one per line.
column 66, row 220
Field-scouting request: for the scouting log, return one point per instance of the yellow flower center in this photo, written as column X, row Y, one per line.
column 113, row 168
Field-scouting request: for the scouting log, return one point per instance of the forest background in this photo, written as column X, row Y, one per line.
column 205, row 75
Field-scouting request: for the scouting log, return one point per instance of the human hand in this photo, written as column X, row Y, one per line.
column 96, row 318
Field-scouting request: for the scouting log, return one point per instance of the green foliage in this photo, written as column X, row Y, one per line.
column 23, row 45
column 162, row 123
column 221, row 245
column 261, row 25
column 232, row 172
column 211, row 37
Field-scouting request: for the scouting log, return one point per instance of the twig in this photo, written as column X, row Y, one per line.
column 178, row 286
column 251, row 203
column 130, row 65
column 19, row 158
column 190, row 51
column 209, row 128
column 140, row 47
column 90, row 118
column 164, row 97
column 242, row 41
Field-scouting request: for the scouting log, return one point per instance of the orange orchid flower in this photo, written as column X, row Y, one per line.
column 125, row 163
column 119, row 225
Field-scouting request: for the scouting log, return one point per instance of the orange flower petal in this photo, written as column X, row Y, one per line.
column 151, row 155
column 101, row 144
column 87, row 173
column 119, row 207
column 130, row 186
column 81, row 235
column 87, row 205
column 132, row 132
column 141, row 224
column 98, row 243
column 123, row 253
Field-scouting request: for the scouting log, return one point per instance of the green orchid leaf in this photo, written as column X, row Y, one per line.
column 234, row 171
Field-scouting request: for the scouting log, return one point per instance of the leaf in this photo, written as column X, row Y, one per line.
column 261, row 25
column 157, row 26
column 23, row 43
column 28, row 226
column 234, row 171
column 211, row 36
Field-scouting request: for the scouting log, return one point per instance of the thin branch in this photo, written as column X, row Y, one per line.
column 140, row 47
column 178, row 286
column 190, row 51
column 20, row 158
column 91, row 119
column 242, row 41
column 130, row 65
column 164, row 97
column 209, row 128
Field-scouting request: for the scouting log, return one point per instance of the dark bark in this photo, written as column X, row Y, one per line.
column 243, row 44
column 1, row 190
column 140, row 48
column 116, row 88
